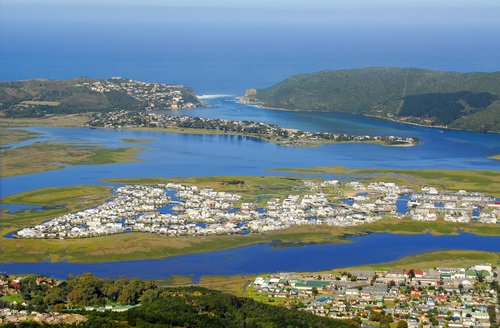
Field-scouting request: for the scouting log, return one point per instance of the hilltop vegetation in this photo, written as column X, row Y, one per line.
column 39, row 97
column 469, row 101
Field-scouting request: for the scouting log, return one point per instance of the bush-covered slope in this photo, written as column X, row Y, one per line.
column 38, row 97
column 438, row 97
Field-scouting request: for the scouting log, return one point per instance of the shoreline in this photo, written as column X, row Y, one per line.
column 368, row 115
column 279, row 143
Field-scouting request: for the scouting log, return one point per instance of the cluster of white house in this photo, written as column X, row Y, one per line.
column 456, row 207
column 103, row 219
column 150, row 93
column 427, row 205
column 446, row 293
column 202, row 211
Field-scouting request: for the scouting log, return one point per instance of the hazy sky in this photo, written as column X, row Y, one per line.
column 257, row 11
column 280, row 3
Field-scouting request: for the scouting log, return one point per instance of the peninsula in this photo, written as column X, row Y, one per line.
column 464, row 101
column 269, row 132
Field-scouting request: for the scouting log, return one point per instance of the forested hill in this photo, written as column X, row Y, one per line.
column 468, row 101
column 39, row 97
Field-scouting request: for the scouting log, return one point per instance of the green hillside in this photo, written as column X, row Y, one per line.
column 468, row 101
column 39, row 97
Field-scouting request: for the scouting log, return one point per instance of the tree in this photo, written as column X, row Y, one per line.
column 314, row 291
column 375, row 316
column 402, row 324
column 480, row 276
column 411, row 274
column 384, row 323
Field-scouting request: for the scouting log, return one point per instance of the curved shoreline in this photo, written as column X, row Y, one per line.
column 368, row 115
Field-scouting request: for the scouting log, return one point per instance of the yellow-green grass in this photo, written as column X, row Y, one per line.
column 73, row 198
column 13, row 136
column 13, row 298
column 46, row 103
column 377, row 324
column 439, row 227
column 470, row 180
column 55, row 155
column 448, row 258
column 174, row 280
column 73, row 120
column 128, row 140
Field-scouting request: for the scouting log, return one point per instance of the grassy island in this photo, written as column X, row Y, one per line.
column 14, row 136
column 57, row 154
column 495, row 157
column 127, row 140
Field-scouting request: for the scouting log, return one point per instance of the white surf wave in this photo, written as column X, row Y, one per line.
column 214, row 96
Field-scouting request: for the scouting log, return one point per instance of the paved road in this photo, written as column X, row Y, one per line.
column 245, row 286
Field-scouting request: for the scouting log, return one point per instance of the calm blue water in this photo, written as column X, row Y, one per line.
column 255, row 259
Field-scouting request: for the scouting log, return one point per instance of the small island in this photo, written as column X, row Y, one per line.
column 57, row 154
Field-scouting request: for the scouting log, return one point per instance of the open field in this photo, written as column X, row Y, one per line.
column 127, row 140
column 14, row 136
column 487, row 182
column 54, row 155
column 48, row 103
column 63, row 121
column 13, row 298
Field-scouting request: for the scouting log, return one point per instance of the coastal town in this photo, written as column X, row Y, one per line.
column 283, row 136
column 437, row 297
column 151, row 95
column 193, row 211
column 451, row 297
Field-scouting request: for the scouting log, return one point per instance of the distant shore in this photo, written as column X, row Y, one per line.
column 369, row 115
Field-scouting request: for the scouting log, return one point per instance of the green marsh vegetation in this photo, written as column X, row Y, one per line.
column 56, row 154
column 128, row 140
column 14, row 136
